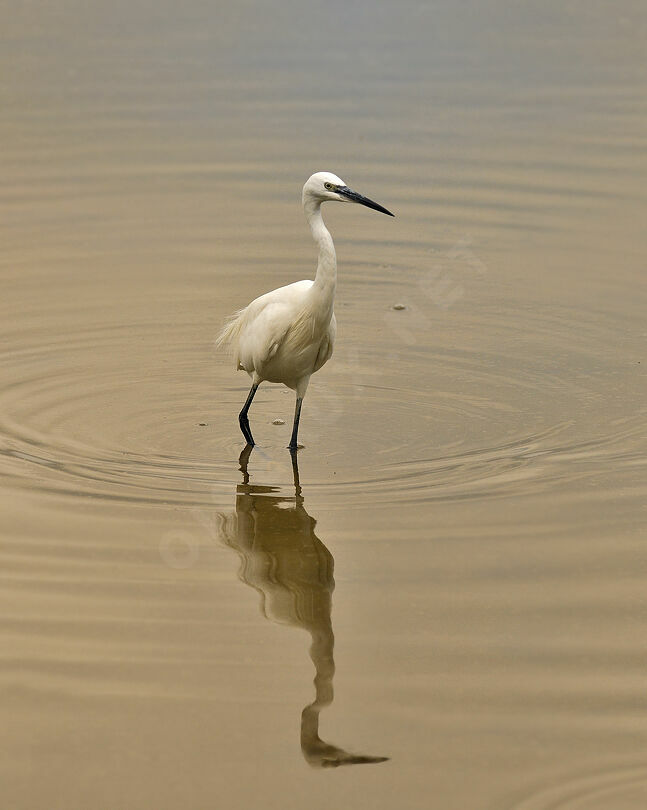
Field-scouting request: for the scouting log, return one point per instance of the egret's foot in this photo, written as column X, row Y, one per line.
column 294, row 447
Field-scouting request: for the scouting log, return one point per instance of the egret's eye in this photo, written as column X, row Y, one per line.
column 329, row 186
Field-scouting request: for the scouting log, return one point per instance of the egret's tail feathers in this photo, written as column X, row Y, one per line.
column 230, row 332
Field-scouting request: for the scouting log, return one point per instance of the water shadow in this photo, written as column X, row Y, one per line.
column 287, row 564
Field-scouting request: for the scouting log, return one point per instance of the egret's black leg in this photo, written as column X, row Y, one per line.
column 243, row 421
column 295, row 427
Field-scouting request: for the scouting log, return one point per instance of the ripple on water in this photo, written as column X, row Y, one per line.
column 120, row 413
column 621, row 789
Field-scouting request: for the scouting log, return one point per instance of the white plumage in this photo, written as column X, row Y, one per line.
column 287, row 334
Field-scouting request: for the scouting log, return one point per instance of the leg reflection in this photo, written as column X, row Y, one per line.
column 292, row 570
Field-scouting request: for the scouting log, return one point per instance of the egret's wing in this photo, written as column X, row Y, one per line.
column 267, row 321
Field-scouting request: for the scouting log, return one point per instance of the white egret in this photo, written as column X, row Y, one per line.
column 287, row 334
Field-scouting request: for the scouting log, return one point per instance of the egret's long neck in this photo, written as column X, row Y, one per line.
column 326, row 278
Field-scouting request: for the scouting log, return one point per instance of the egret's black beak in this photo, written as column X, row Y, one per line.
column 353, row 196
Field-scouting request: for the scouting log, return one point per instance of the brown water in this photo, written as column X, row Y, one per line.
column 466, row 550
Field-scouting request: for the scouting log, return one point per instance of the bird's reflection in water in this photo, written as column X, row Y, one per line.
column 292, row 570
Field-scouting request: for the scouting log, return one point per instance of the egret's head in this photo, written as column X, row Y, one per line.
column 324, row 186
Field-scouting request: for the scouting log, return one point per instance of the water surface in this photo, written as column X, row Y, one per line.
column 461, row 566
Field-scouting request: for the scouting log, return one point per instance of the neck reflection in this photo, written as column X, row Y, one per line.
column 287, row 564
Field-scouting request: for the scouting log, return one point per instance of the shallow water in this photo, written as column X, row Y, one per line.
column 465, row 546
